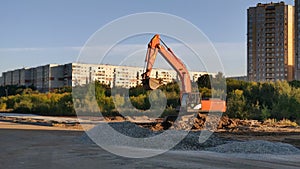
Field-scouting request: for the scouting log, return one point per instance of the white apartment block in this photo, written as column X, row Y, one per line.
column 106, row 74
column 164, row 74
column 53, row 76
column 47, row 77
column 8, row 78
column 83, row 73
column 127, row 77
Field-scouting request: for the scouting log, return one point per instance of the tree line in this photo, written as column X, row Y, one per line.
column 245, row 100
column 263, row 100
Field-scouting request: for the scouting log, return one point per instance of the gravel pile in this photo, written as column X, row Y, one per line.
column 190, row 142
column 126, row 128
column 132, row 130
column 256, row 147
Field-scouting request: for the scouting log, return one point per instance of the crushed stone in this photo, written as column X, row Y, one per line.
column 191, row 141
column 256, row 147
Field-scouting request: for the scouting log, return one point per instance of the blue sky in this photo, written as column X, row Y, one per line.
column 36, row 32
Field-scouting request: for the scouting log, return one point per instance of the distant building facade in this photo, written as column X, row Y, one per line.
column 270, row 42
column 297, row 40
column 53, row 76
column 241, row 78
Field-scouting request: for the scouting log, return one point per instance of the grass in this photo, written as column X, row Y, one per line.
column 283, row 122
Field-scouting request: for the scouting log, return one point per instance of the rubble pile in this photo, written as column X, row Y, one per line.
column 202, row 121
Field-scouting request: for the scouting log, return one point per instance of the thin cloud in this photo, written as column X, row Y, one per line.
column 232, row 55
column 38, row 49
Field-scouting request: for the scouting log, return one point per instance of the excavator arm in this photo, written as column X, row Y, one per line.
column 155, row 47
column 190, row 102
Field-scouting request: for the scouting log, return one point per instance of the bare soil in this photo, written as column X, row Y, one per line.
column 232, row 129
column 30, row 146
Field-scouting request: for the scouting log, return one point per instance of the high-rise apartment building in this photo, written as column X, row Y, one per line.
column 270, row 42
column 297, row 40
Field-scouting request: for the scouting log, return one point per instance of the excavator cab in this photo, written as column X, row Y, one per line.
column 190, row 102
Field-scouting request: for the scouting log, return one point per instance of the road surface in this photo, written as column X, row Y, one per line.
column 30, row 147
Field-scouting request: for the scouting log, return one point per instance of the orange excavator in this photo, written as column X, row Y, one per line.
column 190, row 101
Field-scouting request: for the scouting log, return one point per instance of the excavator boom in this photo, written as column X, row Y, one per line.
column 190, row 101
column 155, row 47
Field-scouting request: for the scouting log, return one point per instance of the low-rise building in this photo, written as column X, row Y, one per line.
column 241, row 78
column 52, row 76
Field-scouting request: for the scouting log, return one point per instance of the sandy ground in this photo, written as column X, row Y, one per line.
column 31, row 147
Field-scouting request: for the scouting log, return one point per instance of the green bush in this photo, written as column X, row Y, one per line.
column 236, row 104
column 245, row 100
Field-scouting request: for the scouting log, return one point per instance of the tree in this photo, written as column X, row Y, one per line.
column 204, row 81
column 236, row 104
column 295, row 83
column 265, row 113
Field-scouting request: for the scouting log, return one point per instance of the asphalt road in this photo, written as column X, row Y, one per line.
column 31, row 147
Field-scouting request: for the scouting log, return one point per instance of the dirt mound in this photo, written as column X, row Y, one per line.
column 202, row 121
column 114, row 118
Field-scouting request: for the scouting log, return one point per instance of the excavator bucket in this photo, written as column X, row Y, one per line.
column 151, row 83
column 154, row 83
